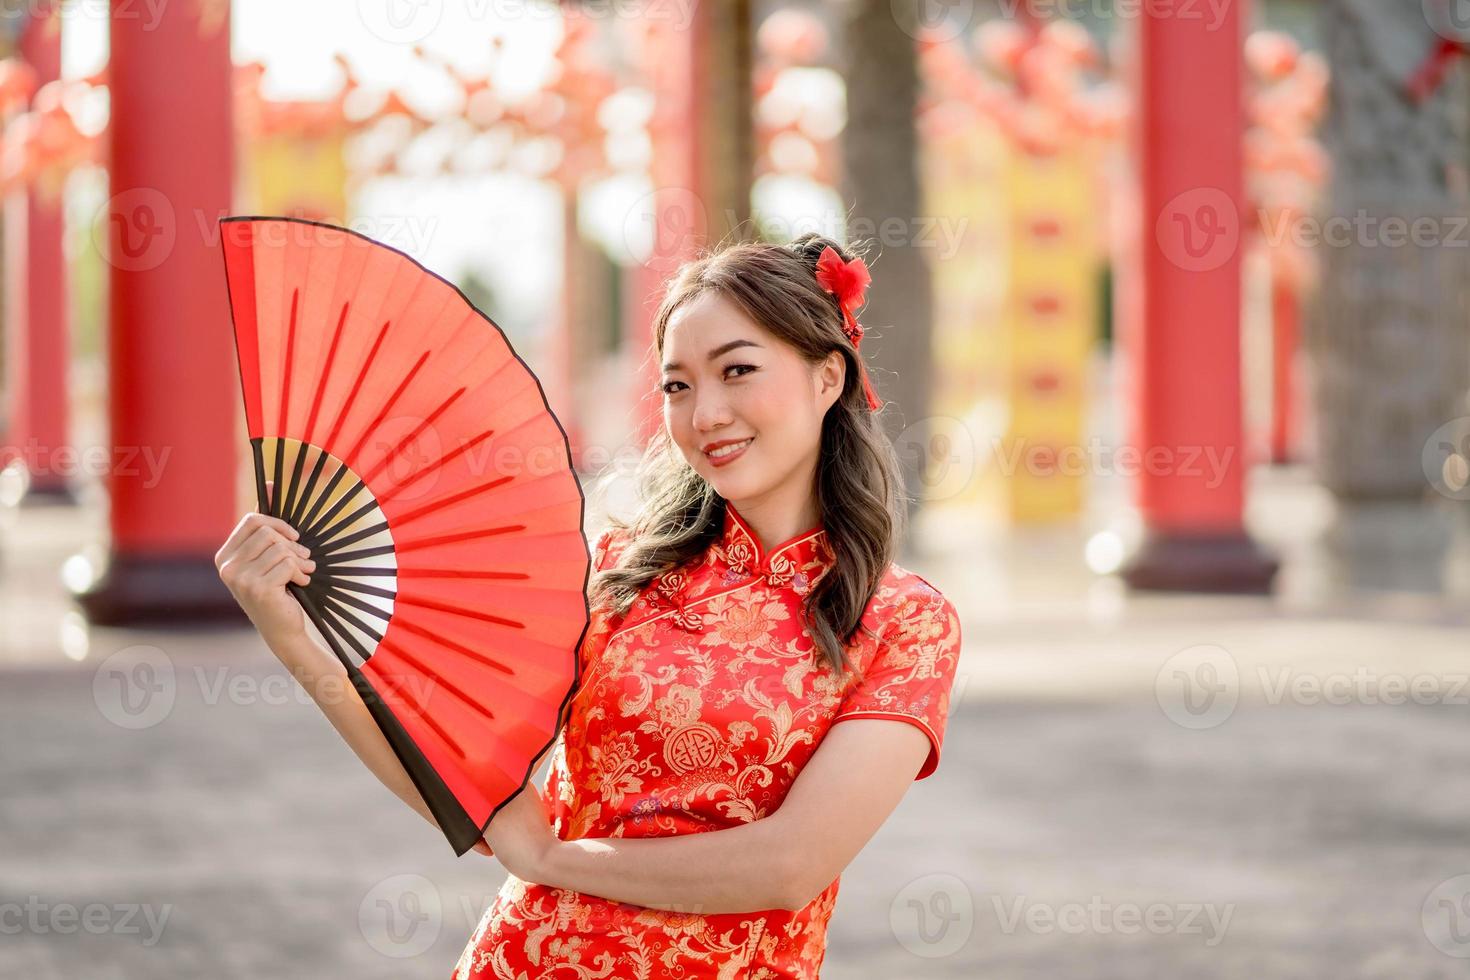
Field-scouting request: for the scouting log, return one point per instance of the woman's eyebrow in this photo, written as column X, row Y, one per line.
column 722, row 349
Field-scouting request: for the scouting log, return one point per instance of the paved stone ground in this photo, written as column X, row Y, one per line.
column 1088, row 820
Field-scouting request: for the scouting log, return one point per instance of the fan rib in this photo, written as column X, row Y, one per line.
column 372, row 426
column 459, row 611
column 335, row 581
column 321, row 386
column 394, row 490
column 451, row 538
column 364, row 570
column 342, row 501
column 330, row 533
column 417, row 630
column 402, row 691
column 443, row 406
column 460, row 573
column 341, row 595
column 281, row 421
column 347, row 617
column 337, row 560
column 428, row 671
column 307, row 492
column 456, row 498
column 316, row 405
column 322, row 498
column 331, row 439
column 333, row 620
column 355, row 536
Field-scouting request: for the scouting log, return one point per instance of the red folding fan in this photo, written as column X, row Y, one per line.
column 417, row 455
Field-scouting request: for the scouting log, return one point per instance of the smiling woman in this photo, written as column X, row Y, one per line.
column 702, row 799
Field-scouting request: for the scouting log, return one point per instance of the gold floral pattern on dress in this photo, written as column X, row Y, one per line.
column 696, row 712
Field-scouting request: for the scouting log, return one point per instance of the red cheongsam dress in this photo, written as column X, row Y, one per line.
column 697, row 710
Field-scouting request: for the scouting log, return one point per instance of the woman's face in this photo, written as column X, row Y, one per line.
column 727, row 379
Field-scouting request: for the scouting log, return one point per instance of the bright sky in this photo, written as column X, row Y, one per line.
column 507, row 228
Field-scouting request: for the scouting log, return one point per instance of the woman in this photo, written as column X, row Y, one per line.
column 701, row 800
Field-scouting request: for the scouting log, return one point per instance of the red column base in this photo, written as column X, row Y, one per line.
column 184, row 591
column 48, row 495
column 1177, row 562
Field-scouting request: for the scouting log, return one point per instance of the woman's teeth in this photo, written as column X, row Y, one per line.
column 727, row 450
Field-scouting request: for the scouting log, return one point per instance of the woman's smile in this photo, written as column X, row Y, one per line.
column 728, row 453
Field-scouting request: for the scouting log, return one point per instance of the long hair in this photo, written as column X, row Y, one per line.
column 859, row 488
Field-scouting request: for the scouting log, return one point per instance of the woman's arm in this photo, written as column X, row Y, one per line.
column 839, row 800
column 322, row 675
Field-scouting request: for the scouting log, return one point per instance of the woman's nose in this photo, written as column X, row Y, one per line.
column 710, row 412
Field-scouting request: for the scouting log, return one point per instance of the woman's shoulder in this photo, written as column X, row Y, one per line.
column 904, row 595
column 608, row 546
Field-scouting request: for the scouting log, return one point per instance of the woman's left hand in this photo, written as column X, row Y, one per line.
column 521, row 835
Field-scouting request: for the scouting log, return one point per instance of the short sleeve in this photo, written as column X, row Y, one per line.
column 607, row 548
column 912, row 672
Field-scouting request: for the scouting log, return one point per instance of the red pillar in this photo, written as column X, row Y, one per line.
column 1285, row 314
column 36, row 307
column 1187, row 425
column 173, row 386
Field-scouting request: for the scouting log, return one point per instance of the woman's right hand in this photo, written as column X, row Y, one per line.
column 257, row 560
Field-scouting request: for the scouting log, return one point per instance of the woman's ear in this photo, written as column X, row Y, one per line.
column 830, row 378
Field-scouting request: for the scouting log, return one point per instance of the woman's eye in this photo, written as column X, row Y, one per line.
column 668, row 386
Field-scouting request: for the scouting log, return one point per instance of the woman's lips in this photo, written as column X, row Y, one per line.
column 731, row 456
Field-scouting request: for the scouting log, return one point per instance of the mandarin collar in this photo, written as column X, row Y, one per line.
column 797, row 562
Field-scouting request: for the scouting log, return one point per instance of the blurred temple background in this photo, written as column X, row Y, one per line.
column 1169, row 308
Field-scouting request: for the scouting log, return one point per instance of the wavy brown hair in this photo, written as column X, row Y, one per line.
column 858, row 486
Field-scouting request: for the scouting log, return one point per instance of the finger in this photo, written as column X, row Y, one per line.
column 264, row 538
column 287, row 569
column 290, row 570
column 260, row 566
column 248, row 526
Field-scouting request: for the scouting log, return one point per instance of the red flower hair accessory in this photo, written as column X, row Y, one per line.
column 848, row 281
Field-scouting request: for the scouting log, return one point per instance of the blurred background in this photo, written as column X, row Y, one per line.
column 1169, row 307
